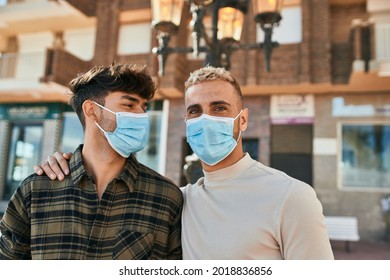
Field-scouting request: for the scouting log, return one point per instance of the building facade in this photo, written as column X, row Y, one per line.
column 322, row 114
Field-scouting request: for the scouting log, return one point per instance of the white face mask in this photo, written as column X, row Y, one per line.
column 211, row 138
column 131, row 134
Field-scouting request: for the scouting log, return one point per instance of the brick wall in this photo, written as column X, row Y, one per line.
column 340, row 34
column 139, row 59
column 309, row 61
column 321, row 57
column 61, row 66
column 341, row 18
column 134, row 4
column 320, row 41
column 341, row 62
column 88, row 7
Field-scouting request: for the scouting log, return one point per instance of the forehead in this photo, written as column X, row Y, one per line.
column 117, row 96
column 210, row 91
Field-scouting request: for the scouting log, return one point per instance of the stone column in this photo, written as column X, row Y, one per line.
column 107, row 30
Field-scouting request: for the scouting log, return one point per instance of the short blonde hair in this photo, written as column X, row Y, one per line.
column 210, row 73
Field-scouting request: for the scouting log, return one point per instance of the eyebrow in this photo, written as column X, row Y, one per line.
column 221, row 102
column 192, row 107
column 136, row 100
column 214, row 103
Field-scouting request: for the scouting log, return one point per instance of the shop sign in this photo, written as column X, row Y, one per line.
column 292, row 109
column 341, row 109
column 30, row 111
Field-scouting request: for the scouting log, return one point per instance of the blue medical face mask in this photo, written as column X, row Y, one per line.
column 131, row 134
column 211, row 138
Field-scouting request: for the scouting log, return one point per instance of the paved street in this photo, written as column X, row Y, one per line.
column 362, row 250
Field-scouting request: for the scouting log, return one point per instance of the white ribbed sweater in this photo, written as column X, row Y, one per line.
column 251, row 211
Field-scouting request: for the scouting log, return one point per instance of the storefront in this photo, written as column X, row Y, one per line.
column 29, row 133
column 352, row 158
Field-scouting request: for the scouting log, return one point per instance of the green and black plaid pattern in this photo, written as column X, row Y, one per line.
column 138, row 217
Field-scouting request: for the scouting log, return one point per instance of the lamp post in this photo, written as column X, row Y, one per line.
column 227, row 22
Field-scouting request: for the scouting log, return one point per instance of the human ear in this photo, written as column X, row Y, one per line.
column 244, row 119
column 91, row 113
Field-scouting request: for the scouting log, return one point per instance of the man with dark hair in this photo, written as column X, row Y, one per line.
column 110, row 206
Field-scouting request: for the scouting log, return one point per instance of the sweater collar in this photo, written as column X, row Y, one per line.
column 229, row 172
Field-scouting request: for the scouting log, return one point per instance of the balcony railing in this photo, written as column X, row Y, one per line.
column 18, row 66
column 21, row 1
column 7, row 66
column 383, row 41
column 12, row 2
column 15, row 1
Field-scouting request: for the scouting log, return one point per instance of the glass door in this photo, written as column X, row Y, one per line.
column 24, row 151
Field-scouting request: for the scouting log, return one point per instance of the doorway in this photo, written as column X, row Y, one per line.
column 292, row 150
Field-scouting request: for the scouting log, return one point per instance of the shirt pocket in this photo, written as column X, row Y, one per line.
column 132, row 245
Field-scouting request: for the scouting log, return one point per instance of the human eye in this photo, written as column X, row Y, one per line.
column 193, row 112
column 128, row 107
column 220, row 110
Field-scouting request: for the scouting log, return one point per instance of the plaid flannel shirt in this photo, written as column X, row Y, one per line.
column 138, row 217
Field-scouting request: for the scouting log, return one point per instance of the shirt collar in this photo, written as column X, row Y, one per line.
column 128, row 175
column 77, row 170
column 229, row 172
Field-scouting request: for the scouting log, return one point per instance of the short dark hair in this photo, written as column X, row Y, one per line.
column 99, row 81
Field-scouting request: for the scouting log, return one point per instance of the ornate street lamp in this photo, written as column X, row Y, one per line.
column 227, row 22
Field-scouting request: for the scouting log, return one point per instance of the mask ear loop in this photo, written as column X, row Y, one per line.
column 100, row 127
column 101, row 106
column 239, row 135
column 238, row 114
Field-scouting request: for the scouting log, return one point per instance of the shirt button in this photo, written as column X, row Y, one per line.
column 93, row 246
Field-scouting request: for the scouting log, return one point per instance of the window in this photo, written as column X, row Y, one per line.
column 383, row 41
column 72, row 133
column 290, row 29
column 153, row 155
column 80, row 42
column 364, row 156
column 383, row 48
column 134, row 38
column 24, row 153
column 32, row 54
